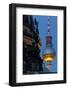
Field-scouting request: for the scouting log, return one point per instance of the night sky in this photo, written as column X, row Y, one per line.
column 43, row 28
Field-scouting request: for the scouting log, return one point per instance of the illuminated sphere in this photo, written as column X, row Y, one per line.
column 49, row 54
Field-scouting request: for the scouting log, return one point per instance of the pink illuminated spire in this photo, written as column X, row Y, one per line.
column 48, row 37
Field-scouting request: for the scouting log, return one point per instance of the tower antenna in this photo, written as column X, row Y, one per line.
column 48, row 25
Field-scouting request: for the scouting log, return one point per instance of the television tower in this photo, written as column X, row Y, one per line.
column 49, row 53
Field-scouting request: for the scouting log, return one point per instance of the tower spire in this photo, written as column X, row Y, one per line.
column 48, row 25
column 48, row 37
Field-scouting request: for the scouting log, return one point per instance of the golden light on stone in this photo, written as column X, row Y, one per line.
column 39, row 45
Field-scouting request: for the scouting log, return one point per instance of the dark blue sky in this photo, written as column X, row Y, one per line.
column 43, row 28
